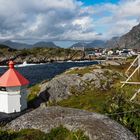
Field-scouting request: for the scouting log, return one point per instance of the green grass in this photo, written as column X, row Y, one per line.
column 81, row 71
column 33, row 91
column 93, row 99
column 33, row 95
column 90, row 99
column 62, row 133
column 59, row 133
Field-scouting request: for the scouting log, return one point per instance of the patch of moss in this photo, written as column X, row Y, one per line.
column 81, row 71
column 59, row 133
column 62, row 133
column 90, row 99
column 34, row 90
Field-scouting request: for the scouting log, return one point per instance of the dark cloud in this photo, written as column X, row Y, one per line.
column 43, row 19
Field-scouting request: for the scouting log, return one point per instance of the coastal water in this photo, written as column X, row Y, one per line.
column 38, row 73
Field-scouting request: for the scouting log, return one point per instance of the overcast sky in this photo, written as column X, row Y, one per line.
column 66, row 21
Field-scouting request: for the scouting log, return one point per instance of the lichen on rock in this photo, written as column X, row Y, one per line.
column 95, row 126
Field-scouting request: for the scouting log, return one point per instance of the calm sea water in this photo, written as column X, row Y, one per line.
column 37, row 73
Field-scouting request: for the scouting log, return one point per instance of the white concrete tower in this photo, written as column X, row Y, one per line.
column 13, row 91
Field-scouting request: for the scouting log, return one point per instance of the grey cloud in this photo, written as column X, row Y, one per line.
column 40, row 19
column 64, row 19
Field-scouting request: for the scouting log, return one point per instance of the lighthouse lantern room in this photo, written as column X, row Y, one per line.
column 13, row 91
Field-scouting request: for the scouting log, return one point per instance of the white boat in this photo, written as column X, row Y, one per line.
column 69, row 61
column 24, row 64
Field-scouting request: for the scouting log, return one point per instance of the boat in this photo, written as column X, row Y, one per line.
column 24, row 64
column 69, row 61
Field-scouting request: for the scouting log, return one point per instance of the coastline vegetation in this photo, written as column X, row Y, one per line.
column 39, row 54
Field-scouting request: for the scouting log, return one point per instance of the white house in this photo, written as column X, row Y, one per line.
column 13, row 91
column 110, row 52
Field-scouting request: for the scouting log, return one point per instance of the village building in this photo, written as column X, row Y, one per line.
column 110, row 52
column 78, row 48
column 13, row 91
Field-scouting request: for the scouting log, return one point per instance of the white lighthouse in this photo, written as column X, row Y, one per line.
column 13, row 91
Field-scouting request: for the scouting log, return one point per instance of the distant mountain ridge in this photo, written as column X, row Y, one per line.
column 15, row 45
column 45, row 44
column 112, row 43
column 4, row 46
column 93, row 44
column 18, row 45
column 97, row 43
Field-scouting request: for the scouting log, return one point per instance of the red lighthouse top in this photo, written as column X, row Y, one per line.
column 12, row 77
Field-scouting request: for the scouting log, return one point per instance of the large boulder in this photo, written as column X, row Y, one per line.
column 96, row 126
column 60, row 87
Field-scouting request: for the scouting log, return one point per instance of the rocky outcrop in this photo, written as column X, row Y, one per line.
column 96, row 126
column 61, row 86
column 113, row 63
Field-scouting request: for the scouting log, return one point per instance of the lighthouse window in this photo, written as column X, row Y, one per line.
column 2, row 88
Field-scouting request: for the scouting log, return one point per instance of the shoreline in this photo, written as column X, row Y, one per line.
column 69, row 61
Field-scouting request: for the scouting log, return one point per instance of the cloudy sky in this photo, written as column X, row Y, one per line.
column 66, row 21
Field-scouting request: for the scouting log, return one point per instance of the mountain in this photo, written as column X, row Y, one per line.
column 45, row 44
column 93, row 44
column 112, row 43
column 96, row 44
column 4, row 46
column 79, row 44
column 129, row 40
column 15, row 45
column 18, row 45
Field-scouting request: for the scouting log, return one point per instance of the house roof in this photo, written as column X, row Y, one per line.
column 12, row 77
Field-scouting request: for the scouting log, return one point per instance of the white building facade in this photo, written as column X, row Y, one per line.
column 13, row 91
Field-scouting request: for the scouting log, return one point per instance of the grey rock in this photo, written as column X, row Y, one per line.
column 89, row 76
column 96, row 126
column 110, row 62
column 60, row 87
